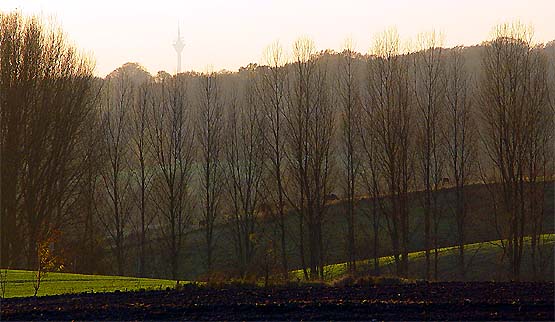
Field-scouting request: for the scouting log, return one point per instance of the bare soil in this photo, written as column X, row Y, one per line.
column 418, row 301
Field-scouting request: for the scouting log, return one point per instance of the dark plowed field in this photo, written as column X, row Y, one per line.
column 422, row 301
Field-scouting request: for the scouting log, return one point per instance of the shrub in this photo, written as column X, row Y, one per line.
column 369, row 280
column 47, row 261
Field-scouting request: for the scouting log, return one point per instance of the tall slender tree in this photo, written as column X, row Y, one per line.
column 115, row 209
column 244, row 155
column 210, row 127
column 512, row 95
column 311, row 131
column 429, row 89
column 271, row 90
column 390, row 107
column 460, row 140
column 142, row 174
column 172, row 141
column 349, row 99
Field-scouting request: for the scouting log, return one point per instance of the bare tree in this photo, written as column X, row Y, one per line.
column 12, row 113
column 209, row 136
column 142, row 157
column 429, row 98
column 369, row 170
column 370, row 175
column 245, row 165
column 513, row 94
column 389, row 105
column 349, row 99
column 460, row 141
column 539, row 155
column 87, row 227
column 46, row 98
column 114, row 212
column 272, row 96
column 310, row 121
column 172, row 141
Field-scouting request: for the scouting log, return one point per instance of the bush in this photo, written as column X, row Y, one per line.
column 369, row 280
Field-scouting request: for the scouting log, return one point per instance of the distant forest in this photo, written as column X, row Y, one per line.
column 262, row 171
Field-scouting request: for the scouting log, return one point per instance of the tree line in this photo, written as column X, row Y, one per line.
column 136, row 159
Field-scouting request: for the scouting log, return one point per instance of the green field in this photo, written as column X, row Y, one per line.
column 20, row 283
column 482, row 262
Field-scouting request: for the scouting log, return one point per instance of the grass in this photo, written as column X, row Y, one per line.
column 480, row 257
column 20, row 283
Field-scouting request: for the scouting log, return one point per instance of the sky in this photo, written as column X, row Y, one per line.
column 226, row 34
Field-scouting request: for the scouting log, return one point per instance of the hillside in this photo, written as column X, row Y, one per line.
column 483, row 263
column 480, row 220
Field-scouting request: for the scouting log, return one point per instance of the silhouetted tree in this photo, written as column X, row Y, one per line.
column 244, row 156
column 210, row 126
column 115, row 206
column 140, row 159
column 271, row 90
column 513, row 100
column 429, row 81
column 390, row 107
column 172, row 140
column 310, row 121
column 46, row 98
column 350, row 102
column 460, row 140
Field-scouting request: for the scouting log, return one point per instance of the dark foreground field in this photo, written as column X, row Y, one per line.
column 422, row 301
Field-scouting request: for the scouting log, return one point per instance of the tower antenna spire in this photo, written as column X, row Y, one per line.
column 178, row 45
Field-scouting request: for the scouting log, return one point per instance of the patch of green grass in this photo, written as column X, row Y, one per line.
column 20, row 283
column 447, row 257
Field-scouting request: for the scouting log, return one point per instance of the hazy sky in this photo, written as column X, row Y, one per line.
column 228, row 34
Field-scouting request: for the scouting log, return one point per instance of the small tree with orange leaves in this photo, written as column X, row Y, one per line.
column 47, row 260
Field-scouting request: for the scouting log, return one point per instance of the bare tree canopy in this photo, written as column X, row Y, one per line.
column 47, row 96
column 514, row 102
